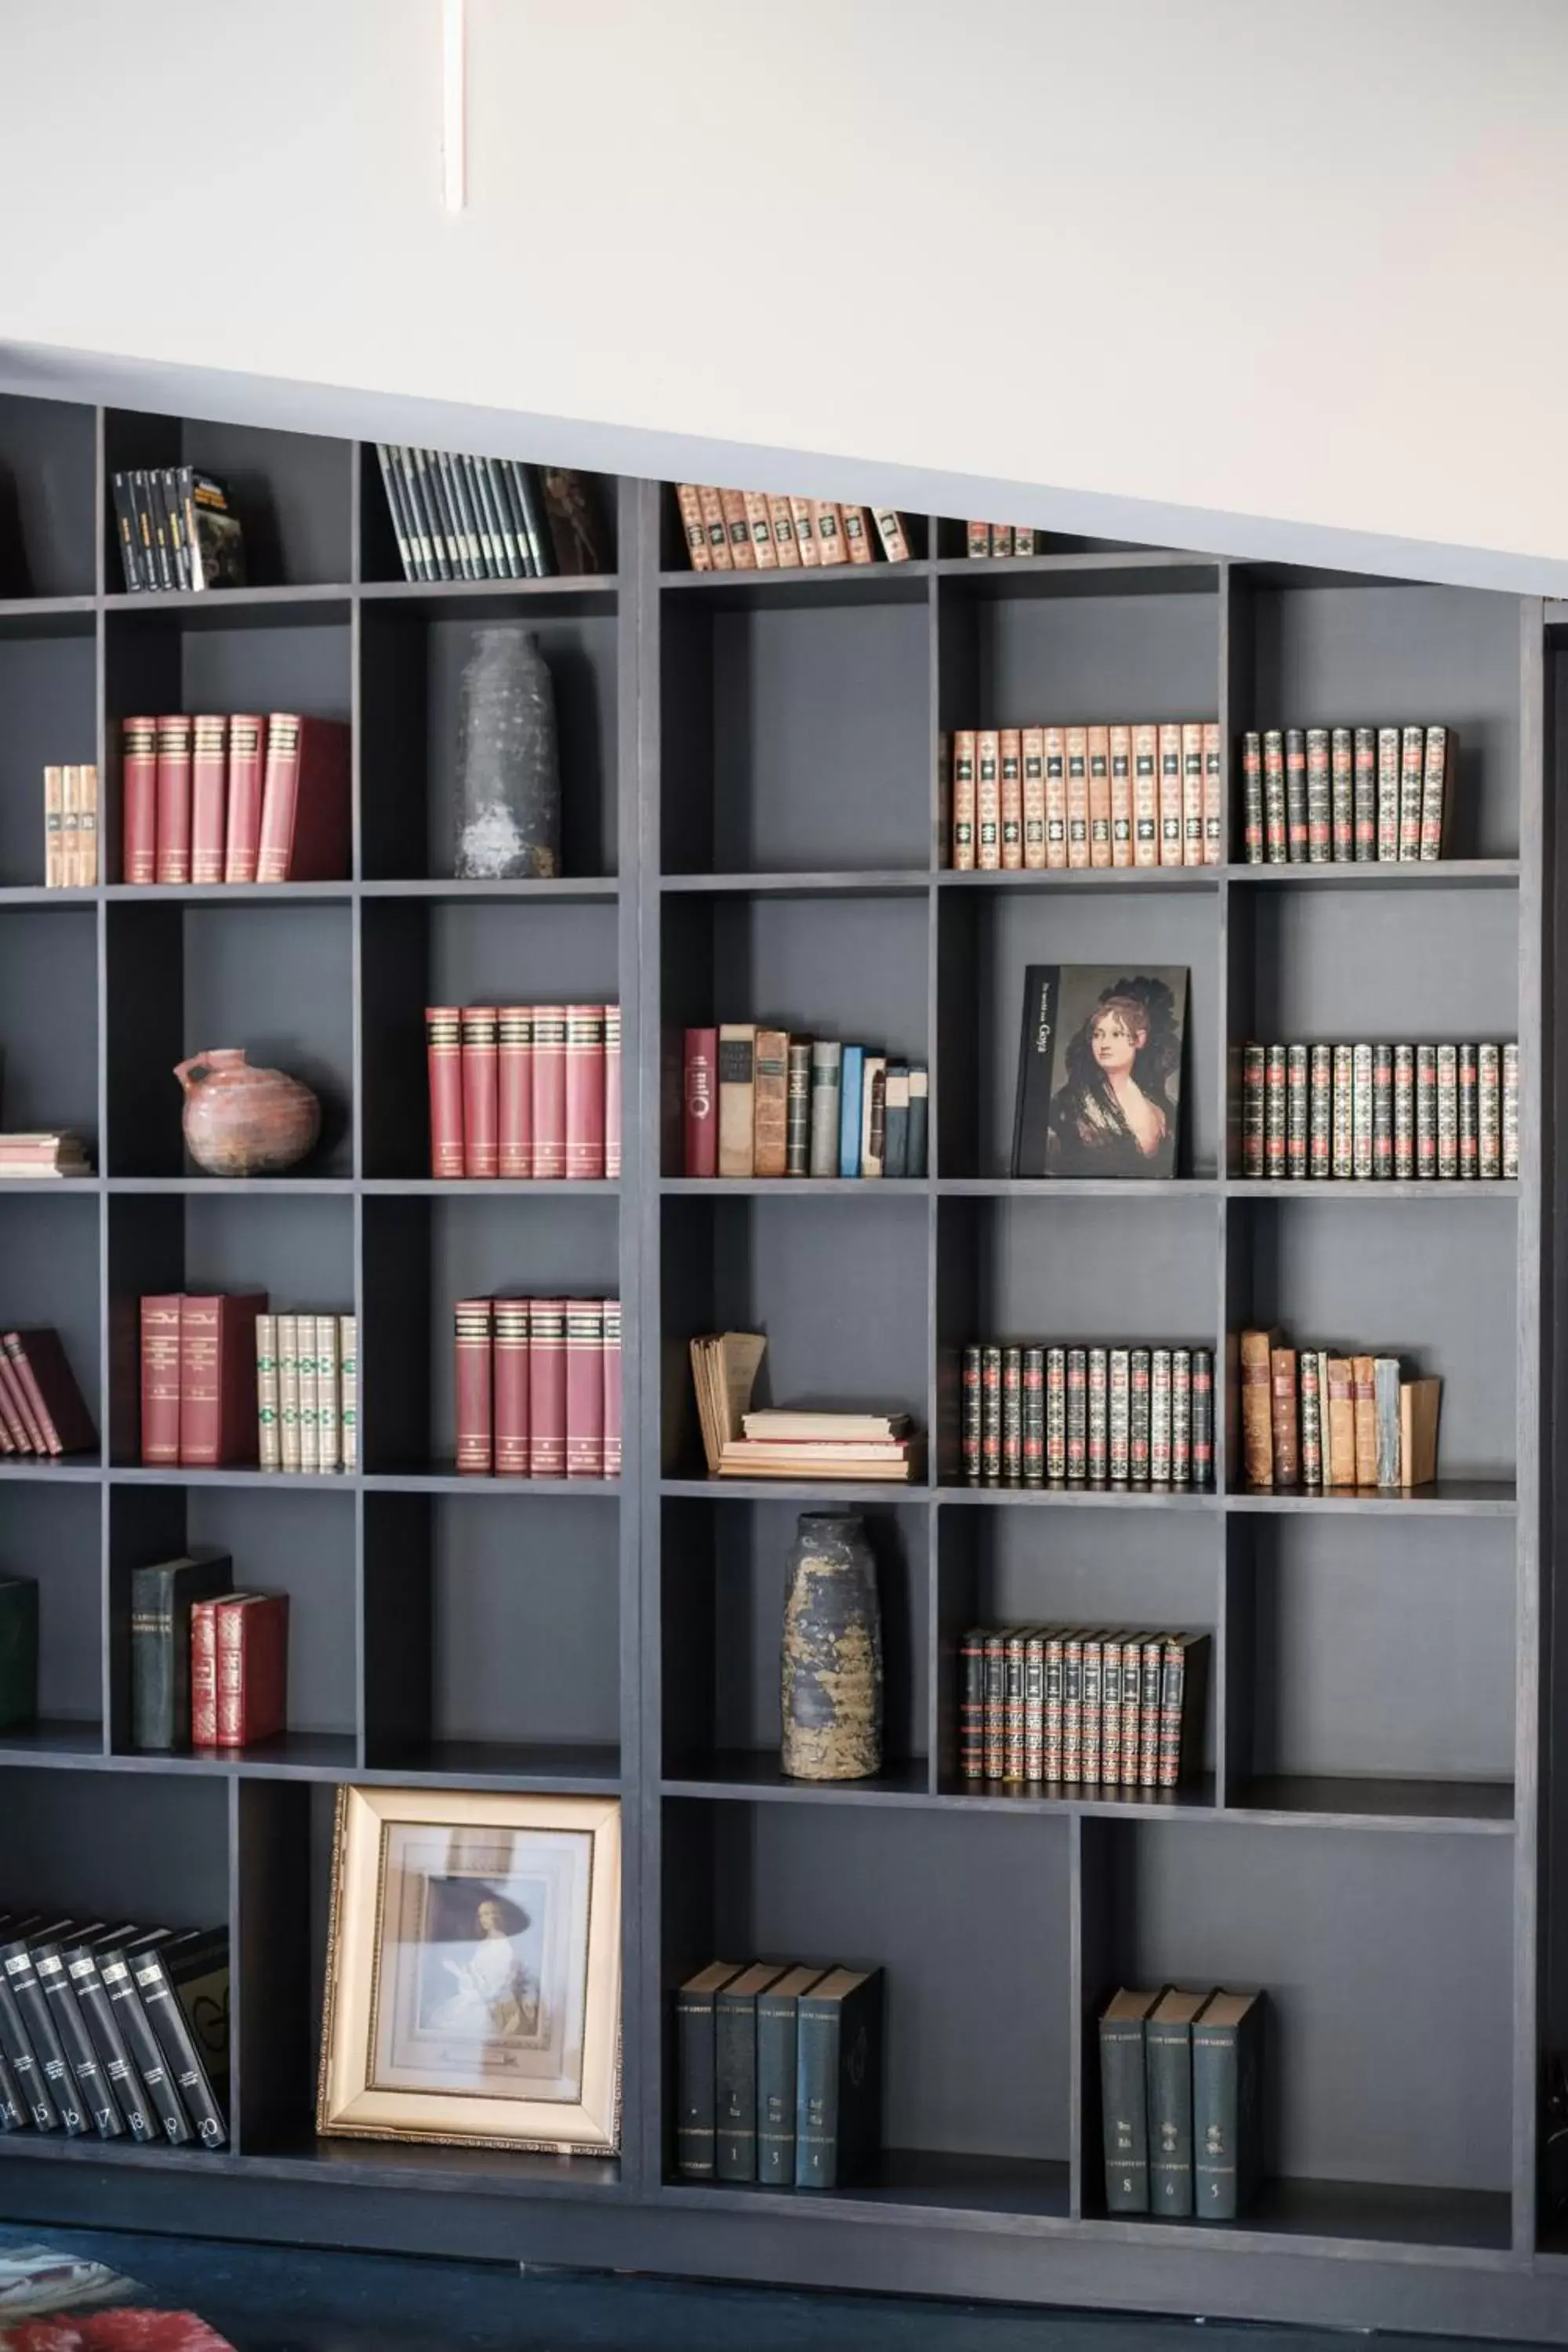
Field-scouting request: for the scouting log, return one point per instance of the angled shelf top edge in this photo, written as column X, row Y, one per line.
column 1407, row 874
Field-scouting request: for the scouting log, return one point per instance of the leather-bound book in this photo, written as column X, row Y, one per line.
column 1145, row 795
column 1170, row 739
column 737, row 1093
column 1077, row 750
column 1426, row 1129
column 1276, row 823
column 743, row 554
column 804, row 521
column 1320, row 799
column 162, row 1599
column 1252, row 799
column 1099, row 825
column 1214, row 795
column 969, row 1418
column 1284, row 1417
column 1275, row 1113
column 735, row 2071
column 1383, row 1111
column 204, row 1672
column 890, row 530
column 873, row 1114
column 1013, row 1416
column 585, row 1387
column 443, row 1061
column 21, row 1421
column 174, row 798
column 304, row 800
column 481, row 1081
column 1344, row 1112
column 858, row 544
column 252, row 1668
column 1364, row 795
column 761, row 530
column 777, row 2063
column 1257, row 1402
column 49, row 1387
column 1098, row 1415
column 1161, row 1399
column 695, row 2069
column 18, row 1652
column 1439, row 771
column 700, row 1103
column 797, row 1115
column 209, row 797
column 547, row 1388
column 1032, row 746
column 1055, row 746
column 472, row 1386
column 549, row 1091
column 689, row 499
column 1298, row 1113
column 830, row 542
column 1468, row 1131
column 1489, row 1112
column 612, row 1090
column 509, row 1376
column 782, row 524
column 1418, row 1407
column 1227, row 2097
column 138, row 794
column 584, row 1091
column 1412, row 780
column 514, row 1091
column 161, row 1379
column 1361, row 1148
column 991, row 1415
column 1296, row 829
column 1181, row 1416
column 217, row 1378
column 612, row 1364
column 1337, row 1380
column 1123, row 2100
column 1507, row 1145
column 1120, row 740
column 988, row 799
column 713, row 523
column 1387, row 794
column 1010, row 796
column 242, row 828
column 1192, row 792
column 839, row 2102
column 1168, row 2053
column 1310, row 1433
column 770, row 1103
column 963, row 802
column 1447, row 1111
column 1342, row 795
column 1363, row 1389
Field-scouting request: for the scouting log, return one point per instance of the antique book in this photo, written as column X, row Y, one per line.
column 1419, row 1402
column 162, row 1598
column 743, row 554
column 713, row 524
column 858, row 544
column 329, row 1418
column 1342, row 795
column 1275, row 1110
column 1362, row 1156
column 1181, row 1416
column 1010, row 796
column 268, row 1443
column 1254, row 1108
column 1170, row 739
column 1076, row 1412
column 611, row 1362
column 1337, row 1380
column 514, row 1094
column 1077, row 750
column 510, row 1386
column 991, row 1416
column 139, row 796
column 217, row 1378
column 1468, row 1112
column 838, row 2096
column 1213, row 794
column 242, row 815
column 548, row 1091
column 1203, row 1417
column 1310, row 1386
column 1056, row 781
column 830, row 542
column 547, row 1382
column 963, row 800
column 785, row 542
column 1364, row 1392
column 612, row 1091
column 1168, row 2051
column 203, row 1670
column 472, row 1385
column 760, row 526
column 1297, row 830
column 1388, row 794
column 1509, row 1153
column 970, row 1415
column 1256, row 1413
column 890, row 530
column 1098, row 1441
column 1252, row 799
column 1363, row 786
column 797, row 1110
column 695, row 2069
column 873, row 1114
column 1227, row 2094
column 1035, row 1415
column 68, row 824
column 18, row 1652
column 1385, row 1401
column 209, row 797
column 1099, row 819
column 48, row 1389
column 1192, row 792
column 348, row 1389
column 1119, row 739
column 803, row 516
column 1447, row 1083
column 1160, row 1400
column 1297, row 1120
column 174, row 797
column 1033, row 741
column 252, row 1643
column 1439, row 772
column 585, row 1387
column 1489, row 1112
column 1412, row 774
column 919, row 1099
column 584, row 1092
column 825, row 1055
column 444, row 1063
column 770, row 1103
column 1320, row 799
column 735, row 2071
column 309, row 1408
column 1184, row 1683
column 289, row 1429
column 1012, row 1413
column 700, row 1103
column 737, row 1097
column 988, row 799
column 688, row 499
column 481, row 1100
column 1276, row 830
column 305, row 820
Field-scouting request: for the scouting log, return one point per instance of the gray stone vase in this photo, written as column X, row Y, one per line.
column 508, row 797
column 832, row 1663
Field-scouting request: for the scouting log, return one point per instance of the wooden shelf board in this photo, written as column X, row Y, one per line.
column 1438, row 873
column 445, row 600
column 1466, row 1497
column 226, row 894
column 364, row 2163
column 1352, row 1188
column 57, row 1740
column 58, row 1186
column 1092, row 572
column 794, row 1188
column 37, row 894
column 1085, row 1188
column 253, row 1187
column 907, row 2184
column 1332, row 1800
column 443, row 1479
column 757, row 1774
column 73, row 1470
column 48, row 616
column 839, row 583
column 142, row 1473
column 563, row 1768
column 1092, row 878
column 852, row 881
column 1194, row 1798
column 489, row 1188
column 216, row 607
column 784, row 1490
column 1463, row 2226
column 292, row 1755
column 1113, row 1499
column 591, row 888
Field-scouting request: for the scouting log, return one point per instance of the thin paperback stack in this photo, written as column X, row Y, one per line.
column 1315, row 1418
column 217, row 799
column 209, row 1661
column 1095, row 1416
column 778, row 2074
column 1181, row 2080
column 307, row 1392
column 460, row 517
column 71, row 828
column 45, row 1152
column 1088, row 1707
column 1033, row 799
column 114, row 2029
column 1380, row 1111
column 758, row 1102
column 752, row 530
column 1348, row 795
column 524, row 1090
column 984, row 539
column 787, row 1443
column 176, row 529
column 42, row 1413
column 198, row 1378
column 537, row 1386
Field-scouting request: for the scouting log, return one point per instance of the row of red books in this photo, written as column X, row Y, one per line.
column 198, row 1378
column 1039, row 798
column 243, row 799
column 752, row 530
column 537, row 1386
column 524, row 1090
column 239, row 1669
column 42, row 1410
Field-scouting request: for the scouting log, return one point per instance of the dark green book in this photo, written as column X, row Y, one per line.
column 838, row 2077
column 1227, row 2105
column 18, row 1652
column 1123, row 2101
column 920, row 1089
column 777, row 2049
column 694, row 2068
column 735, row 2071
column 1168, row 2070
column 161, row 1602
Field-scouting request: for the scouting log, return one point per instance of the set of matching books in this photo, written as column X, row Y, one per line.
column 71, row 828
column 778, row 2074
column 214, row 799
column 537, row 1386
column 176, row 529
column 209, row 1665
column 1181, row 2083
column 198, row 1378
column 1380, row 1111
column 1344, row 795
column 117, row 2029
column 1000, row 539
column 307, row 1392
column 461, row 518
column 1313, row 1419
column 1098, row 1416
column 758, row 1102
column 48, row 1151
column 752, row 530
column 43, row 1412
column 1090, row 1707
column 784, row 1442
column 524, row 1090
column 1038, row 798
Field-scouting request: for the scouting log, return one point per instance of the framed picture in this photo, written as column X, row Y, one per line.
column 1099, row 1071
column 473, row 1970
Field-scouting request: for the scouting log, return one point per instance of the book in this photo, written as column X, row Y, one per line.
column 174, row 798
column 116, row 1973
column 162, row 1598
column 612, row 1091
column 1320, row 799
column 1010, row 796
column 851, row 1091
column 1419, row 1403
column 782, row 521
column 838, row 2096
column 510, row 1383
column 1275, row 832
column 242, row 819
column 309, row 1401
column 1385, row 1404
column 1412, row 774
column 1256, row 1408
column 1227, row 2090
column 110, row 2048
column 1100, row 843
column 547, row 1388
column 1213, row 794
column 1145, row 795
column 695, row 2070
column 1170, row 783
column 963, row 800
column 252, row 1658
column 1192, row 793
column 778, row 2018
column 1168, row 2054
column 217, row 1378
column 444, row 1069
column 1033, row 743
column 25, row 2065
column 548, row 1091
column 328, row 1426
column 1342, row 794
column 803, row 516
column 348, row 1389
column 825, row 1057
column 139, row 800
column 724, row 1370
column 1364, row 1392
column 1364, row 792
column 797, row 1108
column 182, row 1984
column 305, row 821
column 782, row 1424
column 1100, row 1072
column 857, row 535
column 269, row 1436
column 1123, row 2100
column 987, row 800
column 1296, row 828
column 611, row 1362
column 770, row 1103
column 18, row 1652
column 480, row 1084
column 919, row 1086
column 1077, row 812
column 585, row 1341
column 737, row 1097
column 698, row 1103
column 471, row 1385
column 514, row 1094
column 204, row 1671
column 289, row 1392
column 1252, row 799
column 873, row 1113
column 49, row 1391
column 209, row 797
column 1338, row 1382
column 584, row 1092
column 39, row 2036
column 214, row 534
column 735, row 2071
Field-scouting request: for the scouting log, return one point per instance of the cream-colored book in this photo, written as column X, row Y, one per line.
column 289, row 1390
column 70, row 827
column 310, row 1438
column 54, row 838
column 348, row 1389
column 269, row 1434
column 328, row 1444
column 87, row 834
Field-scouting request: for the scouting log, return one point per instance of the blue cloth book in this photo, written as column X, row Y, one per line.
column 853, row 1071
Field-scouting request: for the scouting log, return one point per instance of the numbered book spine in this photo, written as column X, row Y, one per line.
column 1056, row 1414
column 1276, row 827
column 183, row 2060
column 1412, row 772
column 1297, row 1113
column 1388, row 794
column 1034, row 753
column 1254, row 1102
column 1363, row 768
column 1252, row 799
column 514, row 1093
column 471, row 1385
column 1405, row 1111
column 1342, row 795
column 1227, row 2101
column 1010, row 790
column 1077, row 747
column 1488, row 1111
column 988, row 799
column 1055, row 798
column 963, row 802
column 1170, row 739
column 1100, row 842
column 94, row 2090
column 1320, row 799
column 270, row 1448
column 1145, row 793
column 42, row 2038
column 1468, row 1113
column 114, row 2053
column 26, row 2067
column 1121, row 744
column 119, row 1982
column 1214, row 795
column 329, row 1408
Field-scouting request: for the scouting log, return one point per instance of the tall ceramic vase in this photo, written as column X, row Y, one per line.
column 832, row 1665
column 508, row 808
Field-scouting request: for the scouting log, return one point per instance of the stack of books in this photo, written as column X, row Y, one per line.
column 753, row 531
column 1181, row 2079
column 1314, row 1418
column 1029, row 799
column 70, row 827
column 42, row 1410
column 780, row 2074
column 786, row 1444
column 1347, row 796
column 49, row 1152
column 235, row 799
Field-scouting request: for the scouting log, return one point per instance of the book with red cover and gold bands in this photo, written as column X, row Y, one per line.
column 537, row 1386
column 525, row 1091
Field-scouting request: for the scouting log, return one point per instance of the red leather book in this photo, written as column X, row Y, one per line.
column 219, row 1419
column 161, row 1379
column 204, row 1674
column 242, row 830
column 585, row 1387
column 514, row 1087
column 209, row 797
column 49, row 1389
column 139, row 790
column 612, row 1090
column 25, row 1432
column 305, row 821
column 550, row 1090
column 510, row 1378
column 472, row 1385
column 7, row 1444
column 547, row 1388
column 443, row 1058
column 585, row 1091
column 481, row 1148
column 700, row 1098
column 174, row 798
column 252, row 1668
column 612, row 1388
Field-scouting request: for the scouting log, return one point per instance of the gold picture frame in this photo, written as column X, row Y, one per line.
column 473, row 1989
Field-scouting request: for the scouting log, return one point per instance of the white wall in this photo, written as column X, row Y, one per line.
column 1264, row 261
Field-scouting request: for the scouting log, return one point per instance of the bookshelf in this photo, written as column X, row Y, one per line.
column 752, row 827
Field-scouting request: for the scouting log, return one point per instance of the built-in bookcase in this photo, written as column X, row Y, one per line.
column 754, row 827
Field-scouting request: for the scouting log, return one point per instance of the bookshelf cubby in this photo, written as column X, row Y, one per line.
column 753, row 827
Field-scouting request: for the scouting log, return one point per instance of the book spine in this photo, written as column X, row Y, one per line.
column 174, row 798
column 94, row 2090
column 1412, row 763
column 1383, row 1111
column 1034, row 756
column 991, row 1416
column 1252, row 799
column 309, row 1401
column 1145, row 795
column 993, row 1718
column 1092, row 1690
column 1192, row 793
column 139, row 794
column 547, row 1388
column 613, row 1091
column 1435, row 787
column 695, row 2082
column 1276, row 823
column 54, row 827
column 963, row 800
column 289, row 1392
column 162, row 2097
column 1010, row 796
column 1170, row 739
column 804, row 522
column 1447, row 1111
column 817, row 2066
column 1425, row 1111
column 737, row 1097
column 1275, row 1112
column 181, row 2056
column 1034, row 1416
column 1121, row 844
column 509, row 1372
column 699, row 1123
column 612, row 1369
column 1489, row 1112
column 348, row 1389
column 39, row 2027
column 1217, row 2122
column 1298, row 831
column 857, row 535
column 1169, row 2056
column 1468, row 1112
column 1172, row 1688
column 1320, row 799
column 1120, row 1415
column 1342, row 795
column 1283, row 1416
column 825, row 1109
column 204, row 1673
column 851, row 1089
column 785, row 541
column 471, row 1385
column 970, row 1415
column 279, row 798
column 798, row 1110
column 1100, row 842
column 735, row 2087
column 1311, row 1419
column 328, row 1416
column 1181, row 1416
column 1385, row 1408
column 761, row 530
column 113, row 2055
column 514, row 1096
column 585, row 1387
column 584, row 1092
column 1361, row 1112
column 1152, row 1660
column 1203, row 1419
column 1404, row 1110
column 778, row 2055
column 1076, row 746
column 252, row 1668
column 1138, row 1371
column 1343, row 1160
column 1160, row 1416
column 1072, row 1710
column 1214, row 795
column 1053, row 1705
column 242, row 830
column 1509, row 1153
column 1056, row 779
column 1254, row 1110
column 161, row 1380
column 32, row 2085
column 1035, row 1707
column 829, row 526
column 1077, row 1413
column 1011, row 1416
column 480, row 1072
column 712, row 509
column 1056, row 1414
column 1099, row 1450
column 550, row 1090
column 209, row 793
column 988, row 799
column 444, row 1063
column 770, row 1103
column 1365, row 794
column 1297, row 1113
column 1257, row 1427
column 1013, row 1743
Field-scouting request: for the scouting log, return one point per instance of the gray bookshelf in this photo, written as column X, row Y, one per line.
column 754, row 829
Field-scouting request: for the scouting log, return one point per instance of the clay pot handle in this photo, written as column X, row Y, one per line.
column 201, row 1065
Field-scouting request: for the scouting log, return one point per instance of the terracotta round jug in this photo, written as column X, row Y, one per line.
column 244, row 1122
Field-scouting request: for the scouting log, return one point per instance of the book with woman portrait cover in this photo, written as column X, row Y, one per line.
column 1099, row 1071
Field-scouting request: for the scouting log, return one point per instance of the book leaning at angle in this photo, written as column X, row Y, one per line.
column 1100, row 1072
column 781, row 1443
